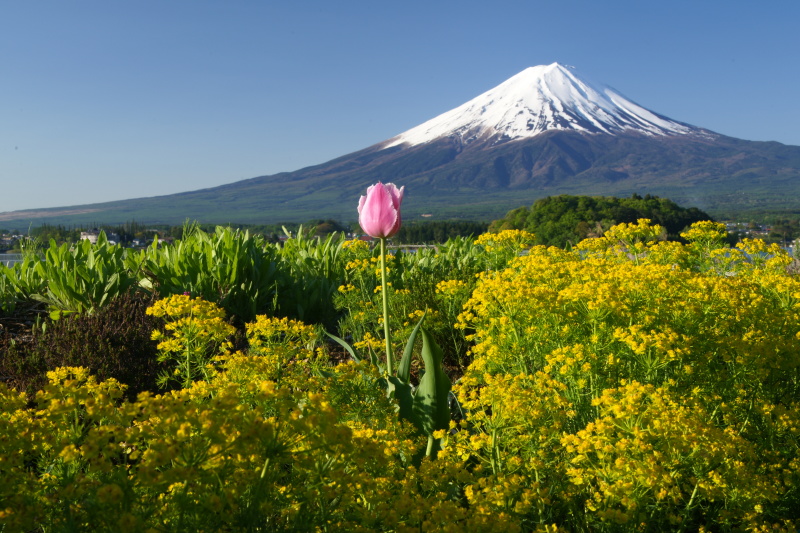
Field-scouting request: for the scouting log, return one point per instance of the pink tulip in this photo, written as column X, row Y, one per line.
column 379, row 210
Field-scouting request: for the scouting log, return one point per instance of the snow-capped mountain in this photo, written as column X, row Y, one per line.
column 544, row 132
column 540, row 99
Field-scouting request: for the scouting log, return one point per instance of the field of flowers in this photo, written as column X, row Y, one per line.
column 628, row 384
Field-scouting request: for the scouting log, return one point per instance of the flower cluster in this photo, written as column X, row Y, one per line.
column 236, row 452
column 195, row 330
column 673, row 373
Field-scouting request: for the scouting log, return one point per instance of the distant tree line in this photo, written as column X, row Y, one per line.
column 128, row 232
column 565, row 220
column 438, row 231
column 784, row 230
column 556, row 221
column 59, row 233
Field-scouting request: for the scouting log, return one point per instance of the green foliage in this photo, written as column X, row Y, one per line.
column 234, row 269
column 323, row 228
column 22, row 280
column 83, row 277
column 59, row 233
column 438, row 279
column 247, row 275
column 427, row 406
column 431, row 398
column 566, row 220
column 437, row 232
column 784, row 230
column 313, row 270
column 8, row 297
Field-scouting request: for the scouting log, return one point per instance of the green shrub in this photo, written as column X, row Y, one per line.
column 312, row 271
column 83, row 277
column 231, row 268
column 437, row 279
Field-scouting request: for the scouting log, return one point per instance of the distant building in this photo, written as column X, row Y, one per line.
column 93, row 234
column 90, row 235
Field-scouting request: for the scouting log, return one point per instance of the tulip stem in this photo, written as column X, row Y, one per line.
column 385, row 293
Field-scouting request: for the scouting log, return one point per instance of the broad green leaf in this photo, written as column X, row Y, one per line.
column 404, row 368
column 431, row 398
column 405, row 400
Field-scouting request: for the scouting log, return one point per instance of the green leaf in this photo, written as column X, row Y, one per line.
column 431, row 407
column 405, row 401
column 373, row 358
column 404, row 368
column 345, row 345
column 324, row 373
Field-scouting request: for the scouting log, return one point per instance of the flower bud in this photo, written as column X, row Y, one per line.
column 379, row 210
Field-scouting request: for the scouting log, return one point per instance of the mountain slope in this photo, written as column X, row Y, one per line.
column 543, row 132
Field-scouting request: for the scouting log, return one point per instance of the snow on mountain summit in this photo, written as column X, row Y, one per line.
column 539, row 99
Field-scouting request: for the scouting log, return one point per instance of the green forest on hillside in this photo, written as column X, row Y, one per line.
column 566, row 220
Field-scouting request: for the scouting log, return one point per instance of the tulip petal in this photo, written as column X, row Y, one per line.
column 379, row 214
column 396, row 194
column 361, row 203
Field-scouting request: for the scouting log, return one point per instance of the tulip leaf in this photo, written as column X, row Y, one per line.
column 325, row 374
column 431, row 408
column 346, row 346
column 373, row 358
column 404, row 368
column 405, row 401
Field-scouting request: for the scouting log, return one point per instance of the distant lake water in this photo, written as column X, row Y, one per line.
column 10, row 259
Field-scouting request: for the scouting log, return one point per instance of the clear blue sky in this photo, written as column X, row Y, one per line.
column 105, row 100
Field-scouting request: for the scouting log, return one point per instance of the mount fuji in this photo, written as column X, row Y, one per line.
column 543, row 132
column 541, row 99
